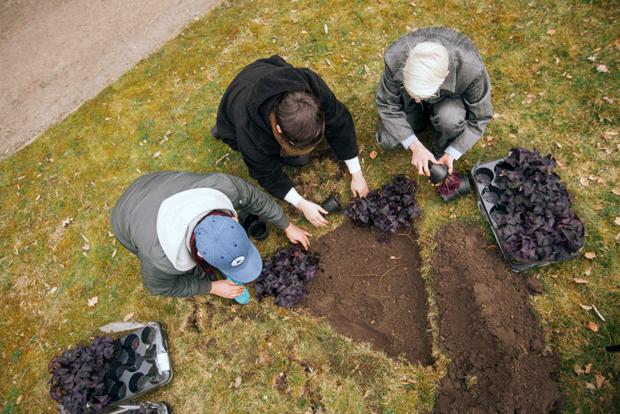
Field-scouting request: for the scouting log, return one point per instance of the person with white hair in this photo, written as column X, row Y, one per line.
column 434, row 73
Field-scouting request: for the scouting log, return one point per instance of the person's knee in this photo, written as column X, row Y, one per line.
column 384, row 139
column 449, row 121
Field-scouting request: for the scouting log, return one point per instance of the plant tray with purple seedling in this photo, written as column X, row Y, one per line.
column 130, row 361
column 528, row 209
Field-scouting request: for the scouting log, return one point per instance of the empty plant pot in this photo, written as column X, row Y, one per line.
column 116, row 370
column 117, row 391
column 258, row 230
column 438, row 172
column 137, row 363
column 246, row 219
column 137, row 381
column 127, row 357
column 148, row 335
column 332, row 205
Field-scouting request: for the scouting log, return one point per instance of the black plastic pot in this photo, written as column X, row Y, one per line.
column 116, row 370
column 258, row 230
column 246, row 219
column 148, row 335
column 137, row 381
column 464, row 189
column 438, row 172
column 132, row 342
column 117, row 391
column 332, row 205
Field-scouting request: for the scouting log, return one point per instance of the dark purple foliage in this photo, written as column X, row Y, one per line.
column 536, row 222
column 286, row 274
column 449, row 185
column 387, row 209
column 77, row 381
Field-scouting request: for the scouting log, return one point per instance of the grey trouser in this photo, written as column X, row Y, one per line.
column 447, row 117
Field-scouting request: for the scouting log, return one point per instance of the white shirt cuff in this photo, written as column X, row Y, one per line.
column 406, row 143
column 293, row 197
column 453, row 152
column 353, row 165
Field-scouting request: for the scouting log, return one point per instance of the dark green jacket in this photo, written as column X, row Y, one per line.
column 134, row 222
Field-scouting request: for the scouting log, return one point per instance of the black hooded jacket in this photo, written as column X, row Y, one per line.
column 243, row 118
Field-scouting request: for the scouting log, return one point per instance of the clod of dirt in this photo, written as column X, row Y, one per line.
column 372, row 291
column 534, row 285
column 489, row 330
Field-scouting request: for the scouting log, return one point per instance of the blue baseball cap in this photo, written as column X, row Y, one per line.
column 223, row 243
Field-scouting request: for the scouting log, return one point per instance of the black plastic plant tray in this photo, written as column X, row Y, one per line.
column 483, row 177
column 141, row 407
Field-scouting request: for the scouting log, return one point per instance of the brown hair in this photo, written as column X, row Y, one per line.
column 301, row 119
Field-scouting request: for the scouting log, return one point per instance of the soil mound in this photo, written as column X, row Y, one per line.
column 489, row 330
column 372, row 291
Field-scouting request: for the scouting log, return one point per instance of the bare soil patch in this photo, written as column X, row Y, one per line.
column 486, row 325
column 372, row 291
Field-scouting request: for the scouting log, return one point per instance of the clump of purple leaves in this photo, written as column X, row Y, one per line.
column 387, row 209
column 286, row 274
column 78, row 375
column 536, row 222
column 449, row 185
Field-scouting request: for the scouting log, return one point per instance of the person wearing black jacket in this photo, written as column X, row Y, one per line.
column 276, row 114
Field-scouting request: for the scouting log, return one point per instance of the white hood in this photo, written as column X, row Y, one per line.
column 181, row 211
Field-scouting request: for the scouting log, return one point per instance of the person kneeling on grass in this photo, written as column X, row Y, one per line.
column 183, row 226
column 276, row 114
column 434, row 71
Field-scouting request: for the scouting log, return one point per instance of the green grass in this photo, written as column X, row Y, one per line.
column 79, row 167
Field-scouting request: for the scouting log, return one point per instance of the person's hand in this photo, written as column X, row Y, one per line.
column 446, row 160
column 313, row 212
column 226, row 289
column 297, row 235
column 420, row 158
column 359, row 188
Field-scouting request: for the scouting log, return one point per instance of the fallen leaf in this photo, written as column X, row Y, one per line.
column 237, row 383
column 590, row 386
column 602, row 69
column 128, row 317
column 86, row 247
column 585, row 307
column 587, row 368
column 580, row 281
column 592, row 58
column 19, row 400
column 67, row 221
column 610, row 135
column 599, row 380
column 551, row 32
column 608, row 100
column 53, row 290
column 325, row 29
column 616, row 191
column 588, row 272
column 577, row 369
column 373, row 155
column 583, row 181
column 497, row 115
column 93, row 301
column 589, row 255
column 592, row 326
column 114, row 254
column 617, row 221
column 157, row 154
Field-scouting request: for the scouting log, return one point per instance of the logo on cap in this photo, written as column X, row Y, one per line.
column 237, row 261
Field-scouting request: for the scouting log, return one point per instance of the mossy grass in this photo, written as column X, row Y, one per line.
column 158, row 116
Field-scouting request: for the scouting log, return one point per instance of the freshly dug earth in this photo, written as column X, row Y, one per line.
column 489, row 330
column 372, row 291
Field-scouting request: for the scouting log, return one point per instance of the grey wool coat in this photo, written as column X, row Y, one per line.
column 134, row 222
column 467, row 79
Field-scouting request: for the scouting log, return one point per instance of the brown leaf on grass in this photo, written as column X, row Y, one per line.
column 93, row 301
column 608, row 100
column 128, row 317
column 587, row 368
column 593, row 326
column 583, row 181
column 67, row 221
column 157, row 154
column 602, row 69
column 85, row 247
column 373, row 155
column 617, row 221
column 577, row 369
column 550, row 32
column 607, row 135
column 590, row 255
column 237, row 383
column 580, row 281
column 616, row 191
column 585, row 307
column 599, row 380
column 590, row 386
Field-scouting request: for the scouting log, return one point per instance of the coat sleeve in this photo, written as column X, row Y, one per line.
column 267, row 170
column 389, row 103
column 477, row 100
column 249, row 198
column 158, row 282
column 339, row 125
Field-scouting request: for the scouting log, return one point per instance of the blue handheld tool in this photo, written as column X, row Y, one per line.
column 243, row 298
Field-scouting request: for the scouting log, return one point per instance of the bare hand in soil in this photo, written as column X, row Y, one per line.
column 420, row 158
column 297, row 235
column 359, row 188
column 226, row 289
column 312, row 212
column 446, row 160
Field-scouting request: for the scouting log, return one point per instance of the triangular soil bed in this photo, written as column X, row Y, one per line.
column 372, row 291
column 500, row 363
